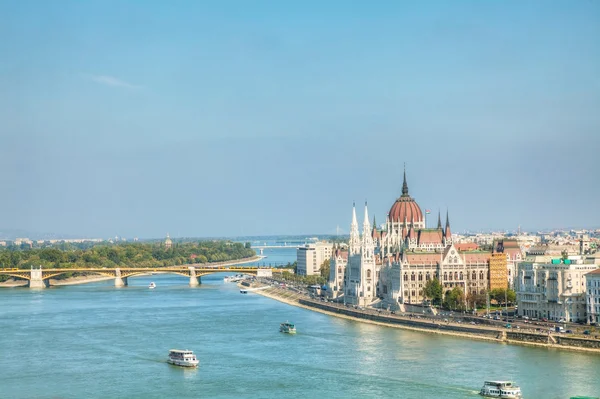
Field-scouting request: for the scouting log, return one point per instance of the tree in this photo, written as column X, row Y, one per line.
column 501, row 295
column 433, row 290
column 477, row 300
column 455, row 299
column 325, row 266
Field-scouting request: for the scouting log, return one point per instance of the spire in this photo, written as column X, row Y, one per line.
column 367, row 239
column 439, row 220
column 354, row 244
column 374, row 222
column 366, row 225
column 404, row 185
column 447, row 233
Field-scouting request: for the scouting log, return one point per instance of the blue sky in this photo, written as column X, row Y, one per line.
column 233, row 118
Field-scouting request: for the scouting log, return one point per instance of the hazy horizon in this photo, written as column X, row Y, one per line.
column 231, row 118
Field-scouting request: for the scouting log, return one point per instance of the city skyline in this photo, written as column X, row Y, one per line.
column 224, row 120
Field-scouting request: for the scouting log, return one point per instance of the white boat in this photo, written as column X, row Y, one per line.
column 152, row 285
column 242, row 291
column 233, row 279
column 185, row 358
column 500, row 389
column 287, row 327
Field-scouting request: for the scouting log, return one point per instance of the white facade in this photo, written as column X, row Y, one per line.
column 310, row 257
column 593, row 296
column 553, row 288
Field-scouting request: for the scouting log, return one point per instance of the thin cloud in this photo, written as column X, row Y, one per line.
column 113, row 82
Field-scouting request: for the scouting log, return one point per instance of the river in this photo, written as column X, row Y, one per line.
column 98, row 341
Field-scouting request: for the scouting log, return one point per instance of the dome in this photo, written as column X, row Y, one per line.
column 405, row 207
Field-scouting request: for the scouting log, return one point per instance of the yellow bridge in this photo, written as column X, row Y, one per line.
column 40, row 278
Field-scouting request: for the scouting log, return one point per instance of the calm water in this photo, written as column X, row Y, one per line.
column 95, row 341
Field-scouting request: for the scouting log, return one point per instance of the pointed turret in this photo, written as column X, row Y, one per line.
column 376, row 234
column 367, row 240
column 447, row 233
column 354, row 244
column 404, row 185
column 439, row 220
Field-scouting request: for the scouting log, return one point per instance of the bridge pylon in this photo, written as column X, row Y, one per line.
column 120, row 281
column 36, row 280
column 194, row 279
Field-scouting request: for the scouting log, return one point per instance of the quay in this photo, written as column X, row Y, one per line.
column 420, row 323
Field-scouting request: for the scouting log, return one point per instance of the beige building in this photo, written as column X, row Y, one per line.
column 593, row 296
column 310, row 257
column 552, row 287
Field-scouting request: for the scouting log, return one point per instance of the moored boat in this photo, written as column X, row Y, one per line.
column 287, row 327
column 152, row 285
column 242, row 291
column 500, row 389
column 184, row 358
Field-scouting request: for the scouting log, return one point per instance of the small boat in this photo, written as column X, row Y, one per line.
column 243, row 291
column 152, row 285
column 185, row 358
column 233, row 279
column 500, row 389
column 287, row 327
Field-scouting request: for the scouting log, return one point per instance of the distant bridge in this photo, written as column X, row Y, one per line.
column 278, row 246
column 40, row 278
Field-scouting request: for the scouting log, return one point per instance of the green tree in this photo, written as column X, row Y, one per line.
column 433, row 290
column 455, row 299
column 500, row 295
column 325, row 266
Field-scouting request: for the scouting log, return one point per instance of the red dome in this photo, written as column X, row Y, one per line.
column 405, row 208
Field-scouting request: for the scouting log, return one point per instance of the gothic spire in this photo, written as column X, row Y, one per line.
column 354, row 244
column 404, row 185
column 447, row 232
column 439, row 220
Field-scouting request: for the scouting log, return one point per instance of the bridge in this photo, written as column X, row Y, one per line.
column 40, row 278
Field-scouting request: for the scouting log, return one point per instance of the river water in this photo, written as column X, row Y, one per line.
column 98, row 341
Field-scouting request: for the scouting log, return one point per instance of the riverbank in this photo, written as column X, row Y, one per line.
column 416, row 323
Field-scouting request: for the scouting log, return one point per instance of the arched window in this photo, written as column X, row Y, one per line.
column 481, row 275
column 420, row 277
column 456, row 275
column 461, row 275
column 413, row 293
column 427, row 277
column 412, row 277
column 445, row 276
column 368, row 274
column 474, row 275
column 405, row 277
column 339, row 270
column 450, row 275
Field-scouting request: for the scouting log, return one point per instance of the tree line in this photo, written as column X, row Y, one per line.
column 455, row 298
column 137, row 254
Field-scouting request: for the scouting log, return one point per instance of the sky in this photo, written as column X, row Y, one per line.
column 229, row 118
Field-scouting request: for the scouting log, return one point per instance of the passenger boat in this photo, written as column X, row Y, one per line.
column 287, row 327
column 500, row 389
column 152, row 285
column 185, row 358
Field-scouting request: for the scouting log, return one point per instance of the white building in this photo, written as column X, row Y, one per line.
column 593, row 296
column 310, row 257
column 394, row 265
column 553, row 288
